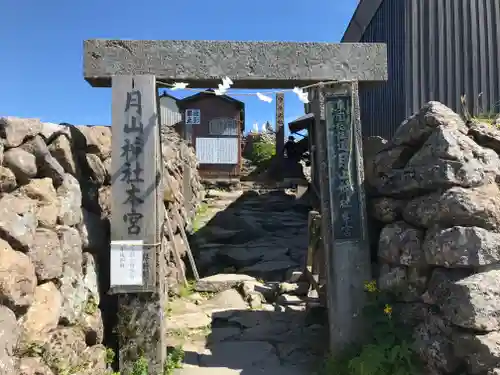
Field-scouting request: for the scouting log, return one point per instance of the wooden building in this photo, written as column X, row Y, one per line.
column 214, row 126
column 436, row 49
column 170, row 114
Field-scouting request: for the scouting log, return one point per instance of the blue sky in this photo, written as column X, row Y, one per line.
column 41, row 73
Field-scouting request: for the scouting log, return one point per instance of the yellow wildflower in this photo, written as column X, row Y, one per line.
column 388, row 310
column 371, row 286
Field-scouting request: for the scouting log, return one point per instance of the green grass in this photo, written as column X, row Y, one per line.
column 199, row 216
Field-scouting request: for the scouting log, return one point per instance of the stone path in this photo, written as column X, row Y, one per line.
column 244, row 318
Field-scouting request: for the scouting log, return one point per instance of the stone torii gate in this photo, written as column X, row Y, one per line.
column 132, row 68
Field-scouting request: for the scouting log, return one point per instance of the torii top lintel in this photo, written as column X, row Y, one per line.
column 251, row 65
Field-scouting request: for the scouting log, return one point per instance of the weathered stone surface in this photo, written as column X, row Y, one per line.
column 17, row 221
column 47, row 165
column 17, row 278
column 472, row 302
column 9, row 334
column 46, row 254
column 70, row 201
column 41, row 317
column 481, row 352
column 279, row 63
column 92, row 325
column 386, row 210
column 97, row 140
column 42, row 191
column 21, row 163
column 64, row 350
column 486, row 135
column 62, row 151
column 462, row 247
column 448, row 158
column 434, row 347
column 407, row 284
column 97, row 169
column 221, row 282
column 71, row 247
column 7, row 180
column 74, row 296
column 15, row 130
column 416, row 129
column 479, row 206
column 401, row 244
column 33, row 366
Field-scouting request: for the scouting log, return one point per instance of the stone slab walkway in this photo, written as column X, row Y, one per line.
column 250, row 314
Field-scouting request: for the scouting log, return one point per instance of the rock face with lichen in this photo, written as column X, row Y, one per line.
column 434, row 202
column 54, row 241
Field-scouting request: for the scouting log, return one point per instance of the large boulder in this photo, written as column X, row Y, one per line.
column 18, row 221
column 462, row 247
column 15, row 130
column 479, row 206
column 401, row 244
column 17, row 278
column 472, row 302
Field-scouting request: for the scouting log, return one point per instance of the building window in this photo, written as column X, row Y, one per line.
column 193, row 116
column 223, row 126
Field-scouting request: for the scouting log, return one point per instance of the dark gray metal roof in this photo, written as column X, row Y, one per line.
column 360, row 20
column 301, row 123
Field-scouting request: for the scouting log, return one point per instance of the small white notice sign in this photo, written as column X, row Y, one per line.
column 126, row 263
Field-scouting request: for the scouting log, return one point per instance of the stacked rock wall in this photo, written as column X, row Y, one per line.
column 435, row 205
column 54, row 242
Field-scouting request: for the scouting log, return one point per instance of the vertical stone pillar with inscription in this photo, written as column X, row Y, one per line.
column 342, row 193
column 136, row 223
column 280, row 123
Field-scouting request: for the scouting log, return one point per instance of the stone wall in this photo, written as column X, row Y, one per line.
column 54, row 242
column 435, row 210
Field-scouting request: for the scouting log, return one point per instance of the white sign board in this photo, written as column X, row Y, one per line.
column 217, row 150
column 126, row 263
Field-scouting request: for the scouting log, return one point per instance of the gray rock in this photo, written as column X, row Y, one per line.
column 415, row 130
column 21, row 163
column 97, row 140
column 46, row 254
column 221, row 282
column 241, row 355
column 97, row 169
column 227, row 300
column 65, row 349
column 238, row 257
column 486, row 135
column 401, row 244
column 386, row 210
column 33, row 366
column 17, row 221
column 272, row 270
column 70, row 202
column 17, row 278
column 461, row 247
column 9, row 334
column 41, row 318
column 448, row 158
column 42, row 191
column 74, row 296
column 71, row 246
column 47, row 165
column 481, row 352
column 472, row 302
column 434, row 347
column 7, row 180
column 15, row 130
column 90, row 278
column 92, row 326
column 479, row 206
column 62, row 151
column 407, row 284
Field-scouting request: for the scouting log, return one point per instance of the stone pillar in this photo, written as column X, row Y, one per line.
column 137, row 246
column 280, row 123
column 344, row 226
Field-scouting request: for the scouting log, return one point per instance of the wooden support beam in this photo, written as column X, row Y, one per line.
column 202, row 63
column 137, row 272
